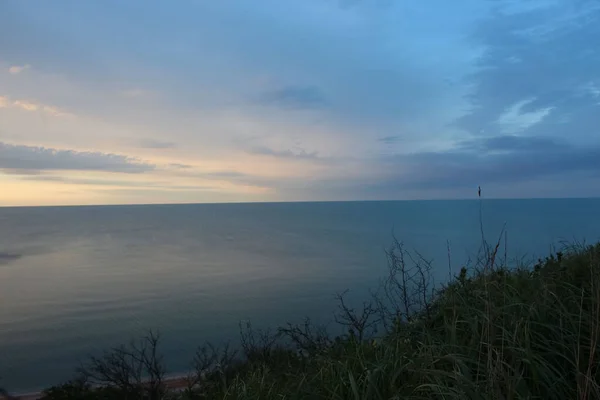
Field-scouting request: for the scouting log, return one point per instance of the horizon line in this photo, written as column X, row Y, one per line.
column 297, row 202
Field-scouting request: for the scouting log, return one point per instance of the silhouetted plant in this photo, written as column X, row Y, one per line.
column 5, row 395
column 213, row 365
column 257, row 345
column 137, row 370
column 360, row 324
column 309, row 340
column 408, row 289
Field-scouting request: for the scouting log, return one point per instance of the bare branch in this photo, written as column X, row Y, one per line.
column 361, row 324
column 135, row 369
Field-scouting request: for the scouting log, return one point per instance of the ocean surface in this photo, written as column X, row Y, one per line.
column 77, row 280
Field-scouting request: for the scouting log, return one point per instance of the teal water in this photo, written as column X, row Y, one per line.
column 76, row 280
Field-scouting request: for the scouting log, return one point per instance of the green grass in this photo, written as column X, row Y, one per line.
column 490, row 333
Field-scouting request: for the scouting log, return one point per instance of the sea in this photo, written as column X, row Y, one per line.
column 75, row 281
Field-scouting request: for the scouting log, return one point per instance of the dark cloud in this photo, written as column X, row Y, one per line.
column 427, row 176
column 298, row 97
column 469, row 168
column 535, row 108
column 29, row 158
column 180, row 166
column 156, row 144
column 513, row 143
column 548, row 55
column 6, row 258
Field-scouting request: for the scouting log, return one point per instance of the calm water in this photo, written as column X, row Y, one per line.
column 76, row 280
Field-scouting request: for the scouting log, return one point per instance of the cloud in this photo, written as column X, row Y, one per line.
column 521, row 160
column 18, row 157
column 368, row 70
column 295, row 97
column 26, row 105
column 6, row 257
column 389, row 139
column 593, row 89
column 225, row 174
column 55, row 112
column 179, row 166
column 298, row 154
column 31, row 106
column 17, row 69
column 516, row 120
column 118, row 183
column 513, row 143
column 535, row 165
column 541, row 94
column 231, row 177
column 21, row 172
column 534, row 114
column 472, row 96
column 156, row 144
column 145, row 193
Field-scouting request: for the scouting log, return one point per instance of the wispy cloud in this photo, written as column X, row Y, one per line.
column 26, row 105
column 513, row 143
column 231, row 177
column 179, row 166
column 515, row 119
column 115, row 183
column 521, row 97
column 18, row 157
column 594, row 89
column 225, row 174
column 299, row 97
column 297, row 154
column 156, row 144
column 17, row 69
column 31, row 106
column 55, row 112
column 389, row 139
column 21, row 171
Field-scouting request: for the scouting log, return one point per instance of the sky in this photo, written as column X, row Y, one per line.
column 111, row 102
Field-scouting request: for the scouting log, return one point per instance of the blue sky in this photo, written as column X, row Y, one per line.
column 109, row 102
